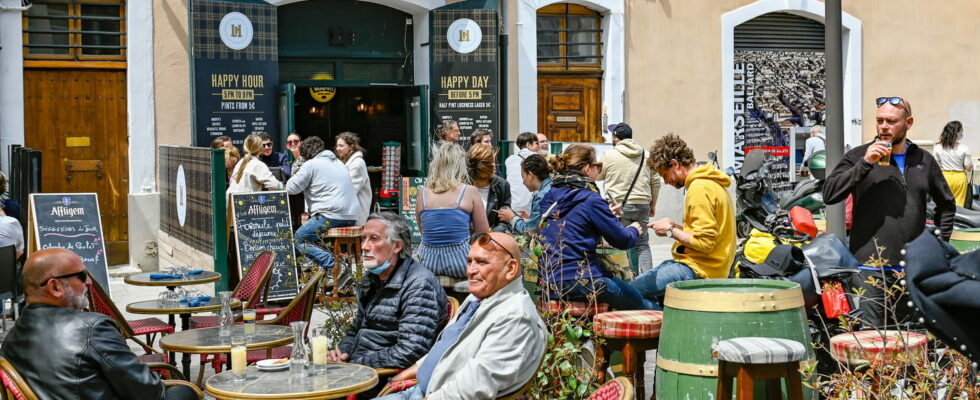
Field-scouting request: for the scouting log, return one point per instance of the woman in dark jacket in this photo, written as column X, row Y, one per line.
column 576, row 220
column 494, row 190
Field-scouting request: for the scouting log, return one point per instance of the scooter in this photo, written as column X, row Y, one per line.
column 755, row 200
column 808, row 193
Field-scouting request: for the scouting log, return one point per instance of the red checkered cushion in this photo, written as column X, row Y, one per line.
column 152, row 357
column 150, row 325
column 578, row 308
column 630, row 324
column 863, row 347
column 398, row 386
column 612, row 390
column 347, row 231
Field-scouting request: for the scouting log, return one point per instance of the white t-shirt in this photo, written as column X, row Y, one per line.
column 955, row 159
column 11, row 233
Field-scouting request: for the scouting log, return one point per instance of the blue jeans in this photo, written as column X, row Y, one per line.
column 308, row 236
column 412, row 393
column 615, row 292
column 653, row 283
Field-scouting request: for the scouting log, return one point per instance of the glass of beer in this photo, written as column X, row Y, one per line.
column 248, row 318
column 320, row 349
column 238, row 356
column 887, row 158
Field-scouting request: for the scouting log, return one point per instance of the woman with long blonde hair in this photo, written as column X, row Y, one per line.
column 250, row 174
column 447, row 211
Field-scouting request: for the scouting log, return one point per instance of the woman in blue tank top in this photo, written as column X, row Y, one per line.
column 446, row 214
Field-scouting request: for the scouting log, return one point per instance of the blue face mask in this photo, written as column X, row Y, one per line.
column 380, row 269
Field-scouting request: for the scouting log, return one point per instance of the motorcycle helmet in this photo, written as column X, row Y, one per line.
column 818, row 164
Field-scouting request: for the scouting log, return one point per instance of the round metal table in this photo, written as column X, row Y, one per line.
column 157, row 307
column 143, row 279
column 339, row 380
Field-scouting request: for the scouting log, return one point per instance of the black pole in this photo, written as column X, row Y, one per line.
column 834, row 106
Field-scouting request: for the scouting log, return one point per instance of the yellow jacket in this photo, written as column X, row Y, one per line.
column 709, row 216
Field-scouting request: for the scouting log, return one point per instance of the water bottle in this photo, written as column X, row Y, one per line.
column 227, row 319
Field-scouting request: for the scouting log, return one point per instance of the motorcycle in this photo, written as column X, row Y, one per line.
column 808, row 193
column 755, row 200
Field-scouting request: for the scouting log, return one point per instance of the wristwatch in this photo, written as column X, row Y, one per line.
column 670, row 232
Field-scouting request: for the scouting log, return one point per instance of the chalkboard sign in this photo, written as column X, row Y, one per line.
column 262, row 223
column 70, row 221
column 410, row 192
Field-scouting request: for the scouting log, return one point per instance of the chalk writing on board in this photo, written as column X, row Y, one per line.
column 262, row 223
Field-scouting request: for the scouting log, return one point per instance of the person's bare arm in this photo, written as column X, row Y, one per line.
column 478, row 211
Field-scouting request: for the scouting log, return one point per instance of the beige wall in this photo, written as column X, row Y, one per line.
column 171, row 72
column 924, row 52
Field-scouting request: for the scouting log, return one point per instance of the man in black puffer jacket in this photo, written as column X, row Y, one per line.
column 401, row 306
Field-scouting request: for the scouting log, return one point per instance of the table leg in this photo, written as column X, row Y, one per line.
column 185, row 359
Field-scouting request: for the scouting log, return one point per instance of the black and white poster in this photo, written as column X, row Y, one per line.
column 236, row 70
column 779, row 96
column 465, row 70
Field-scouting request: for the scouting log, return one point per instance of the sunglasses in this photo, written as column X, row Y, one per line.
column 598, row 164
column 892, row 100
column 81, row 275
column 484, row 240
column 288, row 142
column 266, row 144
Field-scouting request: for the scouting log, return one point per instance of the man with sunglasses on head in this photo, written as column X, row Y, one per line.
column 274, row 158
column 65, row 353
column 496, row 341
column 890, row 179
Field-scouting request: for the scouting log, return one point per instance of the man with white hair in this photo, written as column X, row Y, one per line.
column 400, row 304
column 816, row 142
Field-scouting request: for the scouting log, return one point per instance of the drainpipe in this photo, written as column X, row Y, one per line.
column 835, row 106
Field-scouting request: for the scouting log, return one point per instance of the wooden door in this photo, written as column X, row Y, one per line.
column 77, row 119
column 569, row 109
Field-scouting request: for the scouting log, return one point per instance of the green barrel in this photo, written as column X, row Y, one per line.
column 698, row 312
column 965, row 240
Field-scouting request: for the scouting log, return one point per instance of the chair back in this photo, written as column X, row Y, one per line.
column 15, row 387
column 100, row 302
column 8, row 270
column 301, row 307
column 453, row 306
column 616, row 389
column 253, row 284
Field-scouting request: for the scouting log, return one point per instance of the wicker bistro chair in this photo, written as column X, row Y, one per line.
column 15, row 387
column 299, row 309
column 101, row 303
column 616, row 389
column 251, row 289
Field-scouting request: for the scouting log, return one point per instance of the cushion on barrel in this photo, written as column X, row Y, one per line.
column 862, row 347
column 759, row 350
column 631, row 324
column 347, row 231
column 576, row 308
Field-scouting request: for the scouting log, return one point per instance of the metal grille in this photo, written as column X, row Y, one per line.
column 74, row 30
column 372, row 72
column 291, row 71
column 780, row 32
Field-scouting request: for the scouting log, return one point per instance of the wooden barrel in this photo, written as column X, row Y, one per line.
column 698, row 312
column 965, row 240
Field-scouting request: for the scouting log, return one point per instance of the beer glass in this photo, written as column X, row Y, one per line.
column 887, row 158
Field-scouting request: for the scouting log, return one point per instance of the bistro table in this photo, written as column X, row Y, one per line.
column 156, row 307
column 209, row 341
column 143, row 279
column 339, row 380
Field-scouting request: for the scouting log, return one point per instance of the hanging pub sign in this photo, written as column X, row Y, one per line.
column 236, row 68
column 465, row 70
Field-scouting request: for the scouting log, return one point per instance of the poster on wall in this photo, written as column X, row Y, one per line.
column 779, row 96
column 236, row 70
column 465, row 70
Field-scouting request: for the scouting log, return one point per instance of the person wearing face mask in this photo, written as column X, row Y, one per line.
column 401, row 305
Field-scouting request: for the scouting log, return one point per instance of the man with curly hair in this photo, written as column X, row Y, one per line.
column 704, row 245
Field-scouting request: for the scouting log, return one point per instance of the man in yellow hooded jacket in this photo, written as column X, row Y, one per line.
column 704, row 245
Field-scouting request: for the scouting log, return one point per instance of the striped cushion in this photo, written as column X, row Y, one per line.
column 578, row 308
column 347, row 231
column 882, row 346
column 759, row 350
column 631, row 324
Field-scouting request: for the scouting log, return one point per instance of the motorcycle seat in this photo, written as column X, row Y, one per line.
column 802, row 189
column 827, row 272
column 967, row 215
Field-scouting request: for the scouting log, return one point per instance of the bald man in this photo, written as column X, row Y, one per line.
column 65, row 353
column 495, row 343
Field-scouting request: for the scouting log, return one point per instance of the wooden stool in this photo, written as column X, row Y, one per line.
column 346, row 243
column 633, row 333
column 876, row 347
column 752, row 358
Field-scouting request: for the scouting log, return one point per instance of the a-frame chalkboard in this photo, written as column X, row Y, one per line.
column 70, row 221
column 262, row 223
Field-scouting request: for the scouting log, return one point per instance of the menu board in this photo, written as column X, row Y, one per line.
column 262, row 223
column 411, row 188
column 70, row 221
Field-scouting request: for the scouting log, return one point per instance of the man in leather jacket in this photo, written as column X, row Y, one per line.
column 65, row 353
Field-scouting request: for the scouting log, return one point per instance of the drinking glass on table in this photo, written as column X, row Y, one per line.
column 248, row 318
column 320, row 349
column 239, row 355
